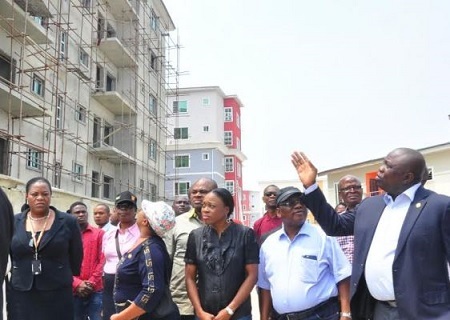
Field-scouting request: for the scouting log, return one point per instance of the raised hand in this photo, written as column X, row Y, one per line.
column 306, row 171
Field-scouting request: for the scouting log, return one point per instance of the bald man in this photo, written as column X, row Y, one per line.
column 403, row 240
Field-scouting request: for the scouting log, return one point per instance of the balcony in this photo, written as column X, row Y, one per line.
column 115, row 51
column 121, row 9
column 111, row 154
column 114, row 102
column 19, row 106
column 18, row 23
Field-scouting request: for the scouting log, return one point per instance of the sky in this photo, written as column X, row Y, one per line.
column 343, row 81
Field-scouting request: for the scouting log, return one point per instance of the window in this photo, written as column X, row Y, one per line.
column 57, row 175
column 228, row 114
column 205, row 128
column 108, row 185
column 37, row 85
column 152, row 104
column 59, row 112
column 86, row 4
column 153, row 191
column 239, row 169
column 77, row 171
column 205, row 102
column 108, row 134
column 180, row 106
column 181, row 133
column 80, row 114
column 41, row 21
column 110, row 82
column 34, row 159
column 63, row 46
column 99, row 78
column 182, row 188
column 95, row 184
column 182, row 161
column 152, row 61
column 84, row 58
column 238, row 143
column 6, row 66
column 229, row 185
column 430, row 174
column 229, row 164
column 152, row 147
column 205, row 156
column 238, row 121
column 141, row 184
column 228, row 138
column 153, row 21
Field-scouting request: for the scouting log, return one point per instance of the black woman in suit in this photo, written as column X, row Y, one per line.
column 46, row 251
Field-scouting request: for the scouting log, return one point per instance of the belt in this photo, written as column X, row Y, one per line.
column 390, row 303
column 306, row 313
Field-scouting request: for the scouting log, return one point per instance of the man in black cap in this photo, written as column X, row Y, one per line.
column 116, row 242
column 302, row 271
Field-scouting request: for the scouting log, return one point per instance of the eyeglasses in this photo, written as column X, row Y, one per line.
column 291, row 203
column 350, row 189
column 125, row 206
column 182, row 202
column 269, row 194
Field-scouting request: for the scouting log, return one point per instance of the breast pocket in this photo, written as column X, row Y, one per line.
column 309, row 272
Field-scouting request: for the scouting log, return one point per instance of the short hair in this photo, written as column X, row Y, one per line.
column 271, row 186
column 76, row 203
column 35, row 180
column 226, row 197
column 104, row 205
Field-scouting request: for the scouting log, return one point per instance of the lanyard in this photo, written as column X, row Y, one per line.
column 33, row 235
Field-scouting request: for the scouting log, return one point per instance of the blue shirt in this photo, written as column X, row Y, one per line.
column 303, row 272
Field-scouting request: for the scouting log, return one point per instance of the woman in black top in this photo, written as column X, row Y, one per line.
column 224, row 257
column 46, row 251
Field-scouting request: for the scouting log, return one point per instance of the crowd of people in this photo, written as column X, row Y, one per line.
column 384, row 257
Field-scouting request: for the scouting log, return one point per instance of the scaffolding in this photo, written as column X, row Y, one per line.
column 83, row 94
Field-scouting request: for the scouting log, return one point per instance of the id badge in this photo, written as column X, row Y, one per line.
column 36, row 267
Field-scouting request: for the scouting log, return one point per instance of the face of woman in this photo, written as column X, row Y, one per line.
column 38, row 197
column 140, row 217
column 213, row 210
column 126, row 213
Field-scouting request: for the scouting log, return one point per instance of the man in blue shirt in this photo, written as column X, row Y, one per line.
column 302, row 271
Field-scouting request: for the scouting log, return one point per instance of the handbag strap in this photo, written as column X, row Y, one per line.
column 119, row 254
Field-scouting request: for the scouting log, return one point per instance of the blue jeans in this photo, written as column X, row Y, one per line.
column 88, row 307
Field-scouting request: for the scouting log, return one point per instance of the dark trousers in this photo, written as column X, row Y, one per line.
column 384, row 311
column 327, row 310
column 108, row 299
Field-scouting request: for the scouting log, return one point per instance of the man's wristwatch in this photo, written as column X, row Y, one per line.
column 346, row 314
column 229, row 310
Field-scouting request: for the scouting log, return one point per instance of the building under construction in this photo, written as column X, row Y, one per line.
column 83, row 87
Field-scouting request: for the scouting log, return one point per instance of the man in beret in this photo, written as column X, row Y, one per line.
column 303, row 273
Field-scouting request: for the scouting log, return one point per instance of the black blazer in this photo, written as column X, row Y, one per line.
column 6, row 232
column 421, row 278
column 60, row 253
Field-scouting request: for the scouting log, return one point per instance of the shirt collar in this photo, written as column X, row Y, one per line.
column 134, row 229
column 192, row 214
column 305, row 229
column 409, row 193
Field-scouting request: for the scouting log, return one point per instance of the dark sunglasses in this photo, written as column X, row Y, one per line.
column 269, row 194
